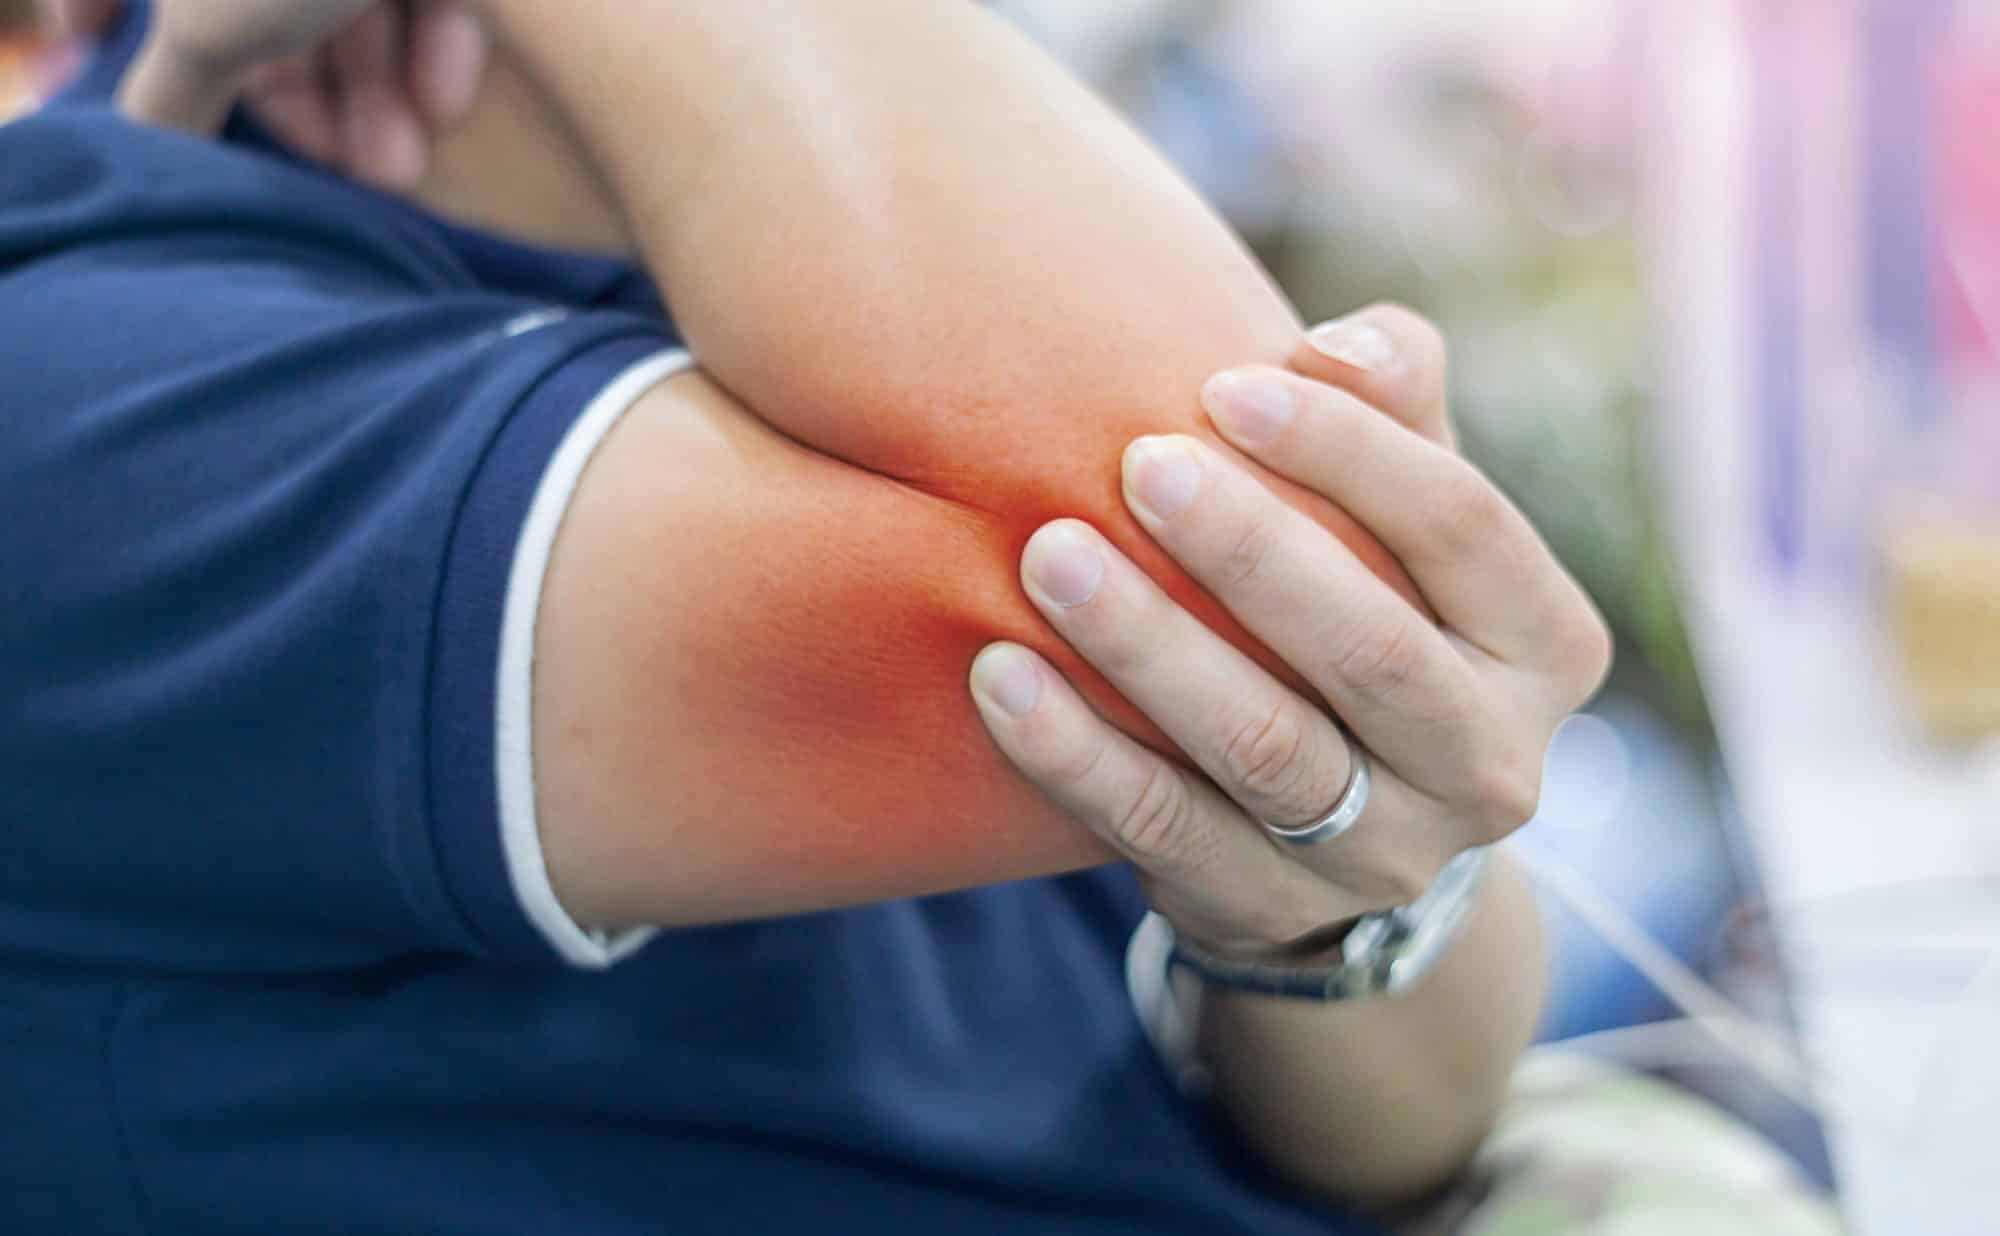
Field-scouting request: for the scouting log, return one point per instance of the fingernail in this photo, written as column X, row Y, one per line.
column 1005, row 677
column 1252, row 408
column 1355, row 344
column 1063, row 565
column 1163, row 475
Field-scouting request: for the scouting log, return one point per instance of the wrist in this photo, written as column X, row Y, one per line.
column 1386, row 952
column 1317, row 948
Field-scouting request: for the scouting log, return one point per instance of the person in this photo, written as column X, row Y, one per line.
column 470, row 768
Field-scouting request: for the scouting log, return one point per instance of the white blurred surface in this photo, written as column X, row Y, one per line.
column 1880, row 851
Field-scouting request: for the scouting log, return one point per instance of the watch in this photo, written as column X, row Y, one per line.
column 1385, row 952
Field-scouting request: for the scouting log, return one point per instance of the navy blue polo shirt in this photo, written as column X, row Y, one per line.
column 273, row 449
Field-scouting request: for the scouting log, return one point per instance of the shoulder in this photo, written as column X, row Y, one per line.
column 80, row 186
column 278, row 446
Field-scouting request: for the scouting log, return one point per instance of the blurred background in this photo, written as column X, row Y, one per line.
column 1722, row 282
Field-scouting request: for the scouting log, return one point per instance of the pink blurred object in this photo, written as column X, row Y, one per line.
column 1940, row 541
column 1968, row 192
column 1966, row 175
column 31, row 69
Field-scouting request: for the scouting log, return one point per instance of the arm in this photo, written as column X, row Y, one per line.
column 885, row 282
column 975, row 303
column 680, row 571
column 898, row 232
column 741, row 706
column 908, row 241
column 748, row 697
column 1382, row 1100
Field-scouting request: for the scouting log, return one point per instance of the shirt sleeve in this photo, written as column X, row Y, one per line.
column 482, row 761
column 270, row 532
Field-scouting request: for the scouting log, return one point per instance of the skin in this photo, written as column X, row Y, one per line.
column 913, row 381
column 927, row 465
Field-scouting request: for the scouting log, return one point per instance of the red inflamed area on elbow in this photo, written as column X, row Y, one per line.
column 839, row 757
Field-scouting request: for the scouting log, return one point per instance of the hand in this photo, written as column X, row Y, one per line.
column 1456, row 716
column 361, row 85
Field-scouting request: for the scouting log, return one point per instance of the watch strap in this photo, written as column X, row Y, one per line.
column 1383, row 952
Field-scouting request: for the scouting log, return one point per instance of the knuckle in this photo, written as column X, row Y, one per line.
column 1247, row 554
column 1507, row 790
column 1122, row 638
column 1471, row 513
column 1381, row 659
column 1268, row 756
column 1593, row 647
column 1077, row 766
column 1118, row 649
column 1157, row 824
column 1577, row 647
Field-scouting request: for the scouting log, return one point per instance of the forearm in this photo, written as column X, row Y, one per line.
column 917, row 204
column 906, row 238
column 1380, row 1100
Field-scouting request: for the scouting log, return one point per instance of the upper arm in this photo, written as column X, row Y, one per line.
column 909, row 243
column 749, row 676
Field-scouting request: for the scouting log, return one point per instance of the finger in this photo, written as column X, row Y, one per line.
column 1477, row 560
column 291, row 98
column 381, row 138
column 447, row 56
column 1387, row 356
column 1273, row 752
column 1211, row 870
column 1397, row 682
column 1180, row 828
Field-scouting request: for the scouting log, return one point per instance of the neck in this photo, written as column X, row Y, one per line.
column 513, row 167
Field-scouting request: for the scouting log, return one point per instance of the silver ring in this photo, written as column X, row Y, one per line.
column 1345, row 811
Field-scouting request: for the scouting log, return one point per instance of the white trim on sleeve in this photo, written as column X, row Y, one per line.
column 513, row 739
